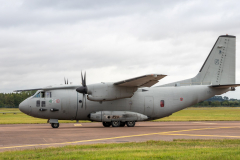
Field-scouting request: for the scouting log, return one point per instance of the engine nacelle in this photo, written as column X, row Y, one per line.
column 108, row 92
column 108, row 116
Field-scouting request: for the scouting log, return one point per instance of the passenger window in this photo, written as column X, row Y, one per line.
column 48, row 95
column 42, row 94
column 43, row 104
column 38, row 103
column 37, row 95
column 162, row 103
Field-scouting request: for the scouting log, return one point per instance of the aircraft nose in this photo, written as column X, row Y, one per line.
column 23, row 107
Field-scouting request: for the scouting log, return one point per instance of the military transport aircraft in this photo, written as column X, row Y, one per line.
column 125, row 102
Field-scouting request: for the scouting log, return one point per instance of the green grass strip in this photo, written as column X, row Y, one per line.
column 177, row 149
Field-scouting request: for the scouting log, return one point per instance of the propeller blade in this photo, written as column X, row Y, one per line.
column 82, row 79
column 85, row 79
column 67, row 81
column 64, row 80
column 85, row 103
column 83, row 100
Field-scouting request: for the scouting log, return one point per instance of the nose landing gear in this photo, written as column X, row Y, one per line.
column 54, row 123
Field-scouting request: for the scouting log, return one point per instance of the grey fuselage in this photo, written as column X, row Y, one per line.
column 146, row 102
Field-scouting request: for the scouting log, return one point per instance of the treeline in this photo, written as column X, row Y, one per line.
column 219, row 101
column 235, row 103
column 12, row 100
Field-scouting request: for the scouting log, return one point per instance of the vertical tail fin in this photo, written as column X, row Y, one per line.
column 219, row 67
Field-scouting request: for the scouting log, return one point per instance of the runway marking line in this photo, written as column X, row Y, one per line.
column 195, row 130
column 91, row 140
column 77, row 125
column 204, row 123
column 202, row 135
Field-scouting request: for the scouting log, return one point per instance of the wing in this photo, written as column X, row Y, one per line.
column 142, row 81
column 51, row 88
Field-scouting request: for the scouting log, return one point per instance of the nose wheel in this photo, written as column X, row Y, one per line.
column 55, row 125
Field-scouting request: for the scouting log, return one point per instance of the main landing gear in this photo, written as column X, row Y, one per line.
column 119, row 124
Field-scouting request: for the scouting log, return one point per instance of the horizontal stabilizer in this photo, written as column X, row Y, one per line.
column 225, row 85
column 142, row 81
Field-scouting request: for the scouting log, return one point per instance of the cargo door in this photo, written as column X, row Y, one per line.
column 69, row 104
column 148, row 106
column 73, row 105
column 65, row 105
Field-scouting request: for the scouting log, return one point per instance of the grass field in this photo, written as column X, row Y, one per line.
column 177, row 149
column 189, row 114
column 21, row 118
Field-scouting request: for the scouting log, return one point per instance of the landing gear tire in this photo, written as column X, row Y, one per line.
column 55, row 125
column 122, row 124
column 115, row 123
column 130, row 123
column 106, row 124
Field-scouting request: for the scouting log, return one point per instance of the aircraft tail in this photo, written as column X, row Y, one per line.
column 219, row 67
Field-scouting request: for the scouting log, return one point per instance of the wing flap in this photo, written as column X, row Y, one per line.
column 142, row 81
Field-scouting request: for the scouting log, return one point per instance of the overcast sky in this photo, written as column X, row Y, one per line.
column 42, row 41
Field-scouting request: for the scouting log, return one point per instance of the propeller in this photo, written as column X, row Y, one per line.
column 83, row 89
column 66, row 82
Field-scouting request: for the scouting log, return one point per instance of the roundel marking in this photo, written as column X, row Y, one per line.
column 57, row 101
column 181, row 99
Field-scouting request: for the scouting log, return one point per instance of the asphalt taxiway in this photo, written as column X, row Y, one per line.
column 23, row 136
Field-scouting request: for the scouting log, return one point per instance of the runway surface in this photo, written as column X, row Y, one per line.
column 23, row 136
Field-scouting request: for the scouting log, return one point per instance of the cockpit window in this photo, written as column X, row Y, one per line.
column 37, row 95
column 42, row 94
column 48, row 95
